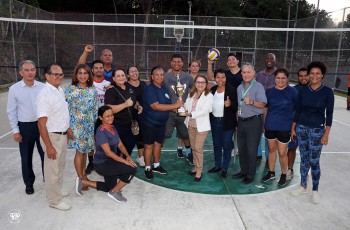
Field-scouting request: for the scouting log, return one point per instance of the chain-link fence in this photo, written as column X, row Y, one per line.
column 146, row 47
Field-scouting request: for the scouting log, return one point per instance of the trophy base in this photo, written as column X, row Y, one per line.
column 181, row 114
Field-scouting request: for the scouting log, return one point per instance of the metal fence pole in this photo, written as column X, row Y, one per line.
column 313, row 33
column 37, row 41
column 255, row 40
column 93, row 36
column 339, row 49
column 13, row 42
column 54, row 38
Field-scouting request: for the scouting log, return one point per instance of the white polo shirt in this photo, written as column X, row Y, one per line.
column 51, row 103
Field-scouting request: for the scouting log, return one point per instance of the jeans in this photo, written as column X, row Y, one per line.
column 310, row 151
column 260, row 147
column 223, row 144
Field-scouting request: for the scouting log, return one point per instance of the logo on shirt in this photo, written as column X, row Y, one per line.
column 167, row 96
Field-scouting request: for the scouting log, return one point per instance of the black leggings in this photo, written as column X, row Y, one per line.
column 113, row 170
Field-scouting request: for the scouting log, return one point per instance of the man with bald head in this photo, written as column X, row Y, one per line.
column 251, row 102
column 106, row 57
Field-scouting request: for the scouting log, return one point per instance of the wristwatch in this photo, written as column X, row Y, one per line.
column 252, row 103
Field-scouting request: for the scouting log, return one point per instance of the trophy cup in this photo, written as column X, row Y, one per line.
column 179, row 91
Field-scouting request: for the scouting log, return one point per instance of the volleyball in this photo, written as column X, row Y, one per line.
column 213, row 54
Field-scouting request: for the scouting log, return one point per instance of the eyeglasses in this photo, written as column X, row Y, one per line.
column 57, row 74
column 133, row 71
column 201, row 82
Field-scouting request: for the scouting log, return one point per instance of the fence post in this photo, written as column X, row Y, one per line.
column 13, row 41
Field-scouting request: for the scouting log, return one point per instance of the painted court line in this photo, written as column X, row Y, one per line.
column 6, row 134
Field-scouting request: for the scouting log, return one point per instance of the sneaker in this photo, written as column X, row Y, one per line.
column 179, row 153
column 315, row 197
column 149, row 174
column 159, row 170
column 233, row 152
column 79, row 186
column 269, row 176
column 89, row 168
column 64, row 193
column 61, row 206
column 282, row 180
column 141, row 161
column 290, row 174
column 117, row 196
column 190, row 158
column 299, row 191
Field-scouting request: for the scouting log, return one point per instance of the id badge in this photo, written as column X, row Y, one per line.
column 239, row 111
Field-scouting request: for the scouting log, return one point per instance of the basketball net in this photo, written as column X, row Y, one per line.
column 179, row 37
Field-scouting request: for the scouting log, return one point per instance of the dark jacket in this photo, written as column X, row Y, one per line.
column 230, row 117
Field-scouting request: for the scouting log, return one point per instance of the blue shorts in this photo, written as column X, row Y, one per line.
column 151, row 134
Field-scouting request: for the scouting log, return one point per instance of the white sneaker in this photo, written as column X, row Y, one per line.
column 141, row 161
column 299, row 191
column 233, row 152
column 64, row 193
column 290, row 174
column 315, row 197
column 61, row 206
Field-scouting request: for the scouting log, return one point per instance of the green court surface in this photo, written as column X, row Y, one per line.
column 178, row 179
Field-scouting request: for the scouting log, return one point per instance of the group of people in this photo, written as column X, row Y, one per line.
column 97, row 115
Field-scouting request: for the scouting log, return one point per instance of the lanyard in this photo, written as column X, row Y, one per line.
column 244, row 93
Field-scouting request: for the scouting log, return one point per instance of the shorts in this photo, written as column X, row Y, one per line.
column 179, row 123
column 152, row 134
column 281, row 136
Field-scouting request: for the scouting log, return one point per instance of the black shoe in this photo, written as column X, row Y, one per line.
column 269, row 176
column 159, row 170
column 247, row 180
column 29, row 190
column 179, row 153
column 238, row 175
column 214, row 169
column 197, row 179
column 282, row 180
column 149, row 174
column 223, row 174
column 191, row 173
column 190, row 158
column 89, row 168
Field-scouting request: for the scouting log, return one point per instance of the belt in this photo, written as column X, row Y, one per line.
column 61, row 133
column 218, row 118
column 249, row 118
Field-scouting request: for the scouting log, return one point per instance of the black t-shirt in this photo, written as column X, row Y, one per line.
column 112, row 97
column 138, row 91
column 234, row 80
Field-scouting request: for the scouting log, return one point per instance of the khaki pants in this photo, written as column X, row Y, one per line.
column 53, row 169
column 197, row 140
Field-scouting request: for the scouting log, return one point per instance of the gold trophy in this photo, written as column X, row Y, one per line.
column 179, row 91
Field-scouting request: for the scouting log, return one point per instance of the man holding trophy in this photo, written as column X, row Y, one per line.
column 178, row 84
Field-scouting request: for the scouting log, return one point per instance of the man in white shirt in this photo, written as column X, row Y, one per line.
column 53, row 122
column 23, row 119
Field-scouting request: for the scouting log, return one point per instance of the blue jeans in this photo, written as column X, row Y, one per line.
column 260, row 147
column 223, row 144
column 310, row 151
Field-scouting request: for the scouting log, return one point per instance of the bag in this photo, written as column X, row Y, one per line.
column 135, row 129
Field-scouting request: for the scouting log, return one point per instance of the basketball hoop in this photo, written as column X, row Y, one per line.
column 178, row 33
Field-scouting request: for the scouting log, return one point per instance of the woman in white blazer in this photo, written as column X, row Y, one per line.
column 198, row 106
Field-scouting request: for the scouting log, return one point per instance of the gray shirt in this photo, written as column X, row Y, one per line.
column 256, row 93
column 171, row 80
column 267, row 80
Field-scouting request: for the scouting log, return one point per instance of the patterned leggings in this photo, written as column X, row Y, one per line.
column 310, row 151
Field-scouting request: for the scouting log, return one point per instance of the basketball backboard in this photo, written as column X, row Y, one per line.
column 178, row 32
